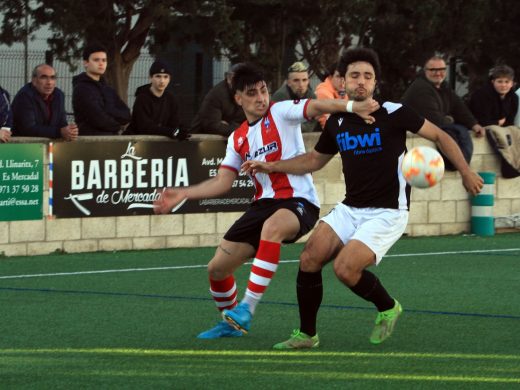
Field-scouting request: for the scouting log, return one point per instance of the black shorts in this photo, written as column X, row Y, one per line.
column 248, row 227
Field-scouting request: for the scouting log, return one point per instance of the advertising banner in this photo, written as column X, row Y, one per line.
column 124, row 178
column 21, row 182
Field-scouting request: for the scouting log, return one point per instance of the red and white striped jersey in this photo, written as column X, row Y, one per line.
column 277, row 136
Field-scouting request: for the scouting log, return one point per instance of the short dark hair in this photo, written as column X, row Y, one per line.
column 500, row 71
column 94, row 48
column 359, row 54
column 245, row 75
column 331, row 69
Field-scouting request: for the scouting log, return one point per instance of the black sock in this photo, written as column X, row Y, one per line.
column 370, row 289
column 309, row 290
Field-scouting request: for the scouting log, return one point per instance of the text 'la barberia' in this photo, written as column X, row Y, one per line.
column 129, row 173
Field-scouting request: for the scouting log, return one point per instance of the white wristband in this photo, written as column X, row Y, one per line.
column 350, row 106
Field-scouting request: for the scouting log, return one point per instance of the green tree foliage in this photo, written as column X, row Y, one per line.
column 122, row 26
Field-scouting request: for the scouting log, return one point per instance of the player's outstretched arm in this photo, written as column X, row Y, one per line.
column 330, row 106
column 470, row 179
column 169, row 198
column 299, row 165
column 210, row 188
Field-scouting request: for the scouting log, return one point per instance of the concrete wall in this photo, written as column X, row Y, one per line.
column 444, row 209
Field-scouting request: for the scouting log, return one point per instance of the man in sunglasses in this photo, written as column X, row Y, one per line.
column 432, row 98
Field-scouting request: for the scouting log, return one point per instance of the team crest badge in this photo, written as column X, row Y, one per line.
column 240, row 141
column 267, row 123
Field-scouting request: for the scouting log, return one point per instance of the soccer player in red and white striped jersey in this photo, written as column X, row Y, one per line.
column 284, row 208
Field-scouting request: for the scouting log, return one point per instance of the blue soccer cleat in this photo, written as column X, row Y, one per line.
column 222, row 329
column 239, row 317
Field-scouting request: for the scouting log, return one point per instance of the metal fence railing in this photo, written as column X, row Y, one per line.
column 13, row 77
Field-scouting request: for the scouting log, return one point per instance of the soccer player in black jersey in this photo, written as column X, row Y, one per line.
column 284, row 208
column 358, row 232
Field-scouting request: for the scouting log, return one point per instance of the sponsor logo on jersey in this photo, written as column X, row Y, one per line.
column 360, row 143
column 340, row 121
column 264, row 150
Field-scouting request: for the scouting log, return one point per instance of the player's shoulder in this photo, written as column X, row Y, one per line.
column 286, row 105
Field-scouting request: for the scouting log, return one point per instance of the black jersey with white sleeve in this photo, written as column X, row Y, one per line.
column 372, row 154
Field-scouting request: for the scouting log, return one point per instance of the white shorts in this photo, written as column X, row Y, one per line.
column 377, row 228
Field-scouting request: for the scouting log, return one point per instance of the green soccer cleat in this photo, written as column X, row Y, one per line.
column 385, row 323
column 299, row 340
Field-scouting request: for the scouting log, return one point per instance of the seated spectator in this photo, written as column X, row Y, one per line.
column 496, row 103
column 219, row 113
column 6, row 116
column 156, row 111
column 97, row 107
column 39, row 108
column 333, row 87
column 297, row 87
column 432, row 98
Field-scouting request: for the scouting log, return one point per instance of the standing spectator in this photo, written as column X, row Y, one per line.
column 333, row 87
column 6, row 116
column 432, row 98
column 97, row 107
column 156, row 111
column 297, row 87
column 39, row 108
column 496, row 103
column 219, row 113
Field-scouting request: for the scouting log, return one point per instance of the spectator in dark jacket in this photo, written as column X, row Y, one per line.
column 432, row 98
column 496, row 103
column 97, row 107
column 39, row 108
column 297, row 87
column 156, row 111
column 219, row 113
column 6, row 116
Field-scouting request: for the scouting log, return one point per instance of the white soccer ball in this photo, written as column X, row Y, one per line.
column 423, row 167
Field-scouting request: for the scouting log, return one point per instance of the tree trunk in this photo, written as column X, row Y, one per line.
column 118, row 74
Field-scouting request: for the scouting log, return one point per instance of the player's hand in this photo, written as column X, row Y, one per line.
column 472, row 182
column 365, row 108
column 252, row 167
column 169, row 198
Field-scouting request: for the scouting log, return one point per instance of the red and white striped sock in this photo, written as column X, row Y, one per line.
column 263, row 269
column 224, row 292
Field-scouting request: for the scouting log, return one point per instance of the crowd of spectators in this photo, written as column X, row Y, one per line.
column 38, row 108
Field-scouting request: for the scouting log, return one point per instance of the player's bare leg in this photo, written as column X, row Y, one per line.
column 350, row 268
column 228, row 257
column 282, row 225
